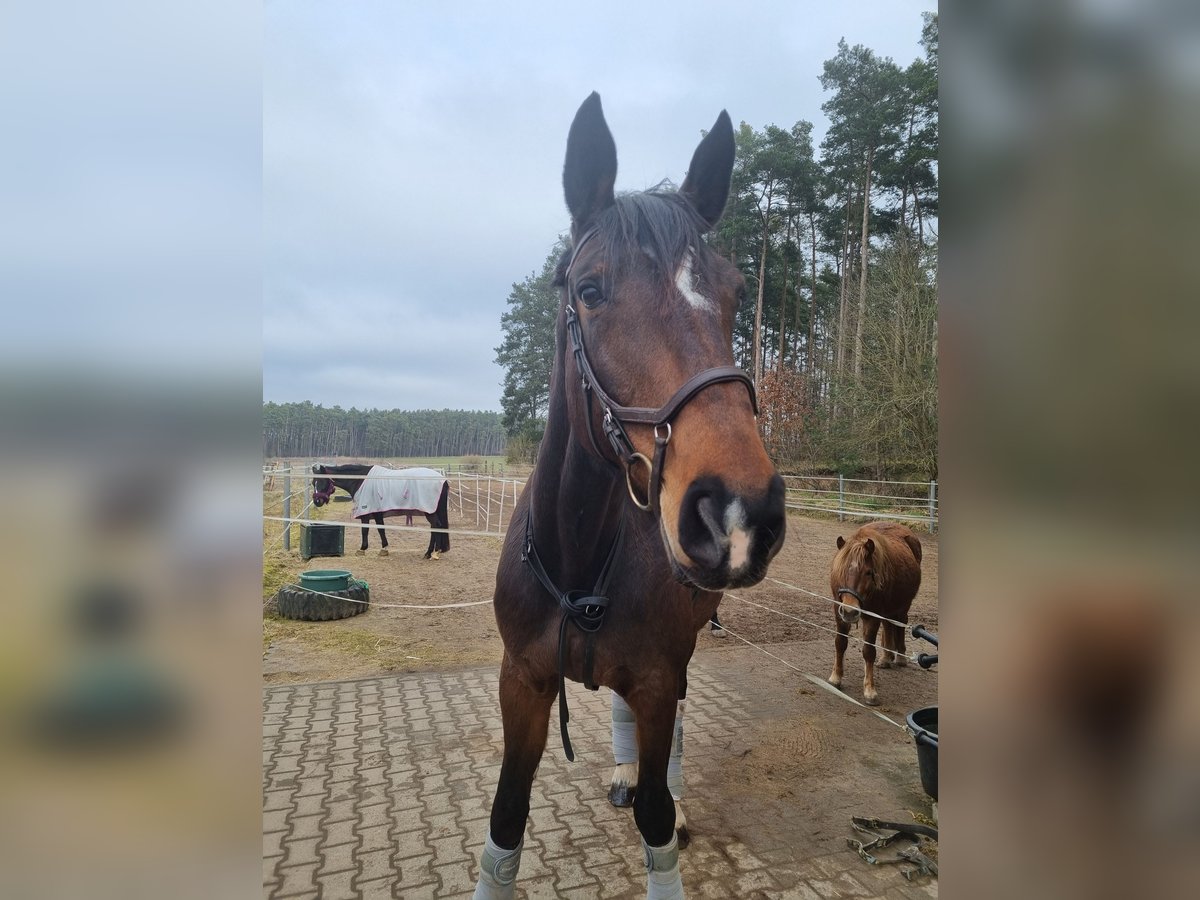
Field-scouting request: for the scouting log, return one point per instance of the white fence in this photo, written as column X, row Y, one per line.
column 860, row 498
column 491, row 499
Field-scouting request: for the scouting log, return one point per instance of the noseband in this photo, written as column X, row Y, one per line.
column 616, row 416
column 324, row 496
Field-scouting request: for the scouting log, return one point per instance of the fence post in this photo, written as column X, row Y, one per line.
column 476, row 502
column 841, row 496
column 500, row 518
column 287, row 510
column 932, row 506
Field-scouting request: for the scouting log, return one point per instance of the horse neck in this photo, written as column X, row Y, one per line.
column 350, row 485
column 577, row 500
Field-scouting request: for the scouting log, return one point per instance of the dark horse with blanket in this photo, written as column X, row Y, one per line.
column 425, row 491
column 652, row 492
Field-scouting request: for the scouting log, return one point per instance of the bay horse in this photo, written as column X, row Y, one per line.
column 877, row 570
column 637, row 516
column 326, row 482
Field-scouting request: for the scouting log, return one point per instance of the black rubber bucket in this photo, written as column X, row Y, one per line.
column 923, row 723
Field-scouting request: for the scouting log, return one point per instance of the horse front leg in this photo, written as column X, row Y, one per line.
column 840, row 642
column 366, row 533
column 870, row 630
column 382, row 534
column 653, row 804
column 622, row 786
column 525, row 712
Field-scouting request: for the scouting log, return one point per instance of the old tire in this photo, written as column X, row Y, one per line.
column 298, row 603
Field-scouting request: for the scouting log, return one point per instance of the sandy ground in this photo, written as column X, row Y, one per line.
column 807, row 755
column 385, row 640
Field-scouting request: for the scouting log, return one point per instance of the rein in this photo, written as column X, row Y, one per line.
column 616, row 416
column 582, row 609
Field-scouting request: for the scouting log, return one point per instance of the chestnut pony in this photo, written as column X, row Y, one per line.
column 652, row 492
column 877, row 570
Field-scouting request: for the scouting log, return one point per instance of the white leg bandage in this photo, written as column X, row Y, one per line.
column 624, row 732
column 497, row 871
column 662, row 871
column 675, row 764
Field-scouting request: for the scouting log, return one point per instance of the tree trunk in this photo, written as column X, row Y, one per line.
column 862, row 265
column 783, row 296
column 812, row 302
column 762, row 284
column 843, row 276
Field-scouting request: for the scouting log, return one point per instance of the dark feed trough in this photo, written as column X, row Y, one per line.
column 923, row 723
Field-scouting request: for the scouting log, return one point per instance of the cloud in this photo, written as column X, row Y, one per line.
column 412, row 161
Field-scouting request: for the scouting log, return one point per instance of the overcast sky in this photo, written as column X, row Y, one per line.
column 412, row 160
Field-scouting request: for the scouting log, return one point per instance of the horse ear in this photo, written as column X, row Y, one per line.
column 841, row 542
column 869, row 547
column 590, row 170
column 707, row 183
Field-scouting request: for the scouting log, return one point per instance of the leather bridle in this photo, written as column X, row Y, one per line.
column 616, row 416
column 586, row 609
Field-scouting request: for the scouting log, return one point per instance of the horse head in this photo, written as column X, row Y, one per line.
column 323, row 487
column 646, row 326
column 859, row 571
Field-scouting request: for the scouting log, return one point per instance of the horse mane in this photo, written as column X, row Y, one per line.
column 658, row 224
column 348, row 469
column 855, row 551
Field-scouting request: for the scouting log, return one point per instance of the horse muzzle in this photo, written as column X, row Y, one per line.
column 849, row 614
column 729, row 538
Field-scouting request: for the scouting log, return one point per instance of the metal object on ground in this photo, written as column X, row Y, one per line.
column 867, row 826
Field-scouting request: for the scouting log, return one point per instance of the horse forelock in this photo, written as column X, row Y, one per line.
column 855, row 554
column 658, row 228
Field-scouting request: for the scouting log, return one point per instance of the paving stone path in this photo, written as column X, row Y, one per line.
column 381, row 788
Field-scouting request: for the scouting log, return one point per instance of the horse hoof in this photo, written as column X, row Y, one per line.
column 873, row 700
column 684, row 838
column 360, row 552
column 836, row 683
column 383, row 552
column 436, row 555
column 719, row 633
column 901, row 662
column 621, row 795
column 885, row 664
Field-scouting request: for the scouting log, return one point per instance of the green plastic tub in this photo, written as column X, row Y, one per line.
column 325, row 580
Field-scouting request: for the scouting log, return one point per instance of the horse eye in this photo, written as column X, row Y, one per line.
column 590, row 295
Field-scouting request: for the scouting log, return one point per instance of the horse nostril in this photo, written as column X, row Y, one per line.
column 701, row 525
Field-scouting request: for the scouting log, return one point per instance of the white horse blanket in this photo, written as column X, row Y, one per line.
column 387, row 491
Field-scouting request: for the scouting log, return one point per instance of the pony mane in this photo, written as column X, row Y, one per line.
column 855, row 551
column 658, row 224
